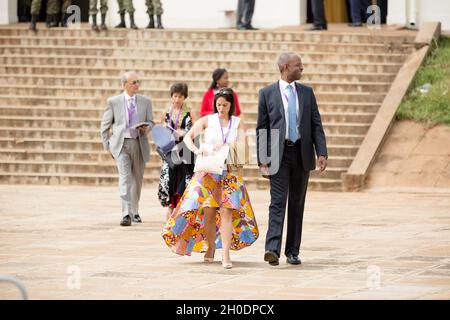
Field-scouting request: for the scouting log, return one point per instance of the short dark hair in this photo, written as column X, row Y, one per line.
column 216, row 75
column 180, row 88
column 227, row 94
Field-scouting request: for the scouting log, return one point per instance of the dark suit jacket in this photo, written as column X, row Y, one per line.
column 271, row 116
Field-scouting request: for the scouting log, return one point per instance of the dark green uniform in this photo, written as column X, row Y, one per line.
column 52, row 7
column 93, row 6
column 154, row 7
column 125, row 6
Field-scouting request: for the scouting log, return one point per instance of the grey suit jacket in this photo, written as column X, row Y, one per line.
column 114, row 117
column 271, row 116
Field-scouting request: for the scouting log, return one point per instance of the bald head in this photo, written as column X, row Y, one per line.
column 290, row 66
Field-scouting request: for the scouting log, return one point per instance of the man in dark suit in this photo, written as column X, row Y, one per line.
column 244, row 14
column 288, row 130
column 320, row 23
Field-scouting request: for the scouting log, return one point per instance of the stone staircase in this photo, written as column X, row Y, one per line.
column 54, row 85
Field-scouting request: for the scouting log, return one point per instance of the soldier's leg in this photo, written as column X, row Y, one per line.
column 151, row 12
column 36, row 7
column 93, row 13
column 103, row 10
column 53, row 13
column 64, row 15
column 35, row 10
column 93, row 7
column 159, row 11
column 130, row 9
column 129, row 6
column 122, row 14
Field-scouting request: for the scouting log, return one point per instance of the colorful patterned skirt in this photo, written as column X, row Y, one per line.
column 184, row 231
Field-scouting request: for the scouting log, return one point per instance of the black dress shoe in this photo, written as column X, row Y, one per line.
column 241, row 27
column 250, row 27
column 293, row 259
column 317, row 28
column 126, row 221
column 355, row 24
column 272, row 258
column 137, row 218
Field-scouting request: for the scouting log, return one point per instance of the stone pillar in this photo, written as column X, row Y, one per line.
column 303, row 11
column 397, row 12
column 8, row 11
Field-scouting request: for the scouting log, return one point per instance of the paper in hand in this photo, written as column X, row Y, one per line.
column 141, row 124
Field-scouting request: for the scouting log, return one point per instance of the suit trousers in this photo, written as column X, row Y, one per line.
column 130, row 165
column 289, row 185
column 245, row 11
column 318, row 12
column 358, row 10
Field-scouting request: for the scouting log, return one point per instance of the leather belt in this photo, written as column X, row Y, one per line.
column 289, row 143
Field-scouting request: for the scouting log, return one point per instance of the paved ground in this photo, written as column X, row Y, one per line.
column 66, row 243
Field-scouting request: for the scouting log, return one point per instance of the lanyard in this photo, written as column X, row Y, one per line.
column 225, row 137
column 178, row 118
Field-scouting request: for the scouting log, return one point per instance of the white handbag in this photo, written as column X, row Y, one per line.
column 213, row 161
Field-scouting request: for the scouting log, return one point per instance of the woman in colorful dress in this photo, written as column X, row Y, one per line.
column 215, row 209
column 219, row 80
column 173, row 180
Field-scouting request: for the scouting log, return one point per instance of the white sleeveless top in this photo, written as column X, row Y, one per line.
column 213, row 133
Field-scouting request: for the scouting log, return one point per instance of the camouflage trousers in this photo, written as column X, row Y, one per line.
column 125, row 6
column 53, row 6
column 154, row 7
column 93, row 7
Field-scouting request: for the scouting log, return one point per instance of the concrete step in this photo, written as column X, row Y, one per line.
column 16, row 154
column 63, row 133
column 66, row 97
column 195, row 85
column 236, row 45
column 112, row 180
column 160, row 104
column 114, row 67
column 120, row 50
column 333, row 106
column 58, row 144
column 88, row 123
column 96, row 114
column 202, row 77
column 152, row 169
column 365, row 36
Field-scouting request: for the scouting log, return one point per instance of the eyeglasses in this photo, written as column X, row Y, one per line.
column 135, row 82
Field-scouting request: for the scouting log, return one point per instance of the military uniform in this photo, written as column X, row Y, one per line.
column 93, row 10
column 126, row 6
column 53, row 8
column 154, row 7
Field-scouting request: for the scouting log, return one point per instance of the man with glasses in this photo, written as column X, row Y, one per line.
column 128, row 145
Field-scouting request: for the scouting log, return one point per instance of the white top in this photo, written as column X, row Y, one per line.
column 213, row 133
column 284, row 95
